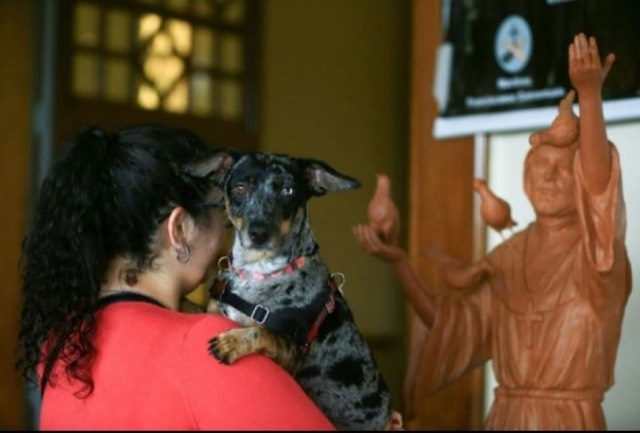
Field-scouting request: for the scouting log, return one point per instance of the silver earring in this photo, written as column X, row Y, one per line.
column 182, row 254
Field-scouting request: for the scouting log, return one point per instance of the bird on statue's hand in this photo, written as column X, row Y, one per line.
column 382, row 212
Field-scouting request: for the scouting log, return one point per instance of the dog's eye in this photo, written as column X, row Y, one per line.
column 287, row 190
column 239, row 190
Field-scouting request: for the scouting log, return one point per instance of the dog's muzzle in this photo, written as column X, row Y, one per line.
column 259, row 233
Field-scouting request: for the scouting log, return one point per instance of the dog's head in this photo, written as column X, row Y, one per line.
column 266, row 196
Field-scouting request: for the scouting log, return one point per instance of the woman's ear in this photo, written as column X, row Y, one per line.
column 178, row 226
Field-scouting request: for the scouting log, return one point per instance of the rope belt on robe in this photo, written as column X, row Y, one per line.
column 552, row 394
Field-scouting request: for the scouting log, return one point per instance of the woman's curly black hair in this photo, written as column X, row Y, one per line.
column 104, row 198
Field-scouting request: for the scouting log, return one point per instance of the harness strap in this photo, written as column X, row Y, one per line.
column 293, row 323
column 280, row 323
column 329, row 306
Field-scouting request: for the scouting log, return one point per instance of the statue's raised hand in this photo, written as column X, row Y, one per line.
column 586, row 71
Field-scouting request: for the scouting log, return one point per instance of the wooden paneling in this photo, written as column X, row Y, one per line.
column 15, row 87
column 441, row 212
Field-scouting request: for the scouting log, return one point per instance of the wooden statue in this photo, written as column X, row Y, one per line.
column 546, row 305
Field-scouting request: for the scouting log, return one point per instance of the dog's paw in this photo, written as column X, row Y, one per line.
column 213, row 350
column 214, row 307
column 229, row 346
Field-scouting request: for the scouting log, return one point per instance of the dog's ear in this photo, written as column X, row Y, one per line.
column 322, row 178
column 218, row 166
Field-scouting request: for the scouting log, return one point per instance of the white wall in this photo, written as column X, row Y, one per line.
column 506, row 154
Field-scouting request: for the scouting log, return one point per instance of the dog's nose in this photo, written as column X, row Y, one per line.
column 259, row 233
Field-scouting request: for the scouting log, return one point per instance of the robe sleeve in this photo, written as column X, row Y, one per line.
column 602, row 216
column 459, row 340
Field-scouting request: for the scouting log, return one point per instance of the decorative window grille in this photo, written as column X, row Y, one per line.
column 185, row 57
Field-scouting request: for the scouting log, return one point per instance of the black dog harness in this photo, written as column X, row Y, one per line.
column 301, row 325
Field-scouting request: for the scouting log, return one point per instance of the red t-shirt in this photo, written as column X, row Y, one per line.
column 153, row 371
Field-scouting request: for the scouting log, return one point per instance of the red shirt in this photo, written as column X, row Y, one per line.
column 153, row 371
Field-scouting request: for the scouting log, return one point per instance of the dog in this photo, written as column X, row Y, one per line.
column 275, row 283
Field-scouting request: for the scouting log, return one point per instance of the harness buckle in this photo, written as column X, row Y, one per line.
column 224, row 263
column 342, row 278
column 260, row 310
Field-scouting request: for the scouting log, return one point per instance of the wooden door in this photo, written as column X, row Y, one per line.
column 441, row 213
column 16, row 39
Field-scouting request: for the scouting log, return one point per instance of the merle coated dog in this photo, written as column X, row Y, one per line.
column 275, row 283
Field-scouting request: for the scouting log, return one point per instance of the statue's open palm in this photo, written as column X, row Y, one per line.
column 586, row 70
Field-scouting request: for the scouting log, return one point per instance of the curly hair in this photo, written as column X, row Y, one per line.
column 105, row 197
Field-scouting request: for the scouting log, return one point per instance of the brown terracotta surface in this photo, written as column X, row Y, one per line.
column 382, row 212
column 495, row 211
column 548, row 307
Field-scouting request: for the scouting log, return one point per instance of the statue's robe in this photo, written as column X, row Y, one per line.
column 553, row 349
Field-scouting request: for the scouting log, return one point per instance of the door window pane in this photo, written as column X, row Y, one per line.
column 118, row 27
column 180, row 56
column 86, row 25
column 117, row 79
column 203, row 40
column 85, row 73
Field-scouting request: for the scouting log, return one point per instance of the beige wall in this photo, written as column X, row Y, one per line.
column 15, row 90
column 336, row 88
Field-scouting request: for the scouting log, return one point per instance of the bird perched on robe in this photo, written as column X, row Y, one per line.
column 454, row 273
column 382, row 212
column 495, row 211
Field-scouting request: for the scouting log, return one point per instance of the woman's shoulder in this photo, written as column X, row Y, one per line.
column 150, row 320
column 251, row 393
column 204, row 325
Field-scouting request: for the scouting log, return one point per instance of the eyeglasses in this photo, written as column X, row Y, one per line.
column 219, row 206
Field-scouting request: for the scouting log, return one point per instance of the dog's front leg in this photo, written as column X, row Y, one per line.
column 214, row 307
column 233, row 344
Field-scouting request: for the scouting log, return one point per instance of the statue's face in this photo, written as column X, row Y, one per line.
column 548, row 180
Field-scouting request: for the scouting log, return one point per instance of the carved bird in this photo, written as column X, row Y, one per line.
column 454, row 273
column 564, row 129
column 495, row 211
column 382, row 212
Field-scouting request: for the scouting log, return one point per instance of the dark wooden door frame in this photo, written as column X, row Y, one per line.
column 440, row 213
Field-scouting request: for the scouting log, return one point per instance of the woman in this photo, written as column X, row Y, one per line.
column 125, row 226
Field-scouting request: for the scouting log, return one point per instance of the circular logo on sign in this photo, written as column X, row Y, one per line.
column 513, row 44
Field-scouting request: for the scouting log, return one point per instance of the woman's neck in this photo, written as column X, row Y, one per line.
column 166, row 301
column 151, row 284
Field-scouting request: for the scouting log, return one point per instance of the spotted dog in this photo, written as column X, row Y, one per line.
column 274, row 282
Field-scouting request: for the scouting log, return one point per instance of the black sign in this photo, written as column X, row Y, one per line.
column 503, row 63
